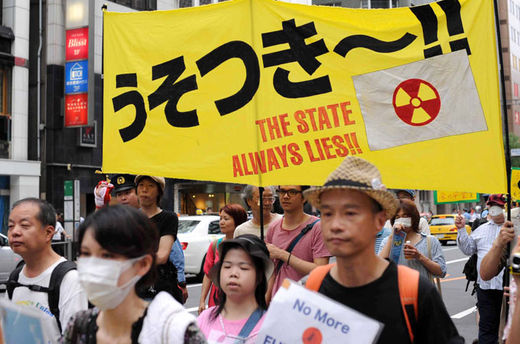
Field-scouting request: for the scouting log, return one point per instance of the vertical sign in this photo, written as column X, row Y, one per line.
column 68, row 207
column 79, row 76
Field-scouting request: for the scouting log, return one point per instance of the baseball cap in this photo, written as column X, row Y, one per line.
column 496, row 199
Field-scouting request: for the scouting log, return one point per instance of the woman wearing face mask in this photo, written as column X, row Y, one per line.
column 231, row 215
column 117, row 255
column 420, row 251
column 241, row 275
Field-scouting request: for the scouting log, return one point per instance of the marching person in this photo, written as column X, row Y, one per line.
column 241, row 276
column 423, row 252
column 118, row 247
column 252, row 199
column 489, row 293
column 150, row 190
column 125, row 190
column 30, row 230
column 294, row 242
column 410, row 195
column 354, row 205
column 231, row 215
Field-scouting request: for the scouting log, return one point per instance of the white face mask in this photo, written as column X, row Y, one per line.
column 495, row 210
column 99, row 278
column 405, row 221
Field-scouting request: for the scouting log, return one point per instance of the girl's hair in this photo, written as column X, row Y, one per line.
column 124, row 230
column 261, row 280
column 236, row 211
column 409, row 209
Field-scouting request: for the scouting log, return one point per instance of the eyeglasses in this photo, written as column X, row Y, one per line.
column 290, row 192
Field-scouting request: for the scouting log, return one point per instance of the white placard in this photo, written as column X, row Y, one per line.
column 298, row 315
column 24, row 325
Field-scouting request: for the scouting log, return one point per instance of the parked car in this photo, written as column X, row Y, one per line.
column 195, row 235
column 443, row 227
column 8, row 260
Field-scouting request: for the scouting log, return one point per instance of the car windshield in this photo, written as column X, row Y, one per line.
column 187, row 226
column 439, row 221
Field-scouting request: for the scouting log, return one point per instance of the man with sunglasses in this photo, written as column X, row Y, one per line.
column 252, row 199
column 294, row 257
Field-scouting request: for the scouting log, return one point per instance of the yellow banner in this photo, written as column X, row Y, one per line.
column 265, row 92
column 455, row 197
column 515, row 184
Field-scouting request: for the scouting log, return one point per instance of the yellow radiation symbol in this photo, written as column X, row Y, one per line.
column 120, row 180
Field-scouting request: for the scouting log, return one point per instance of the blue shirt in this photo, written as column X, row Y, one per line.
column 177, row 258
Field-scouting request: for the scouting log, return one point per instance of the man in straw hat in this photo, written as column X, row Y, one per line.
column 355, row 205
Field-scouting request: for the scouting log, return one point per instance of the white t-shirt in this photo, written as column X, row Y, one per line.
column 249, row 227
column 72, row 296
column 57, row 232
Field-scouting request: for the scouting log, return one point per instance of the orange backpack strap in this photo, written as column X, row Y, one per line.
column 317, row 275
column 408, row 282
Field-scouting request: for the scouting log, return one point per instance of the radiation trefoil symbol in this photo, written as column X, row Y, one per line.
column 416, row 102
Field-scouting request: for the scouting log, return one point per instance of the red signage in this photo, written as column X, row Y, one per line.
column 76, row 44
column 76, row 110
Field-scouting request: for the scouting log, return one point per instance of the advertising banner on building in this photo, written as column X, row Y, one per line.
column 76, row 44
column 281, row 93
column 442, row 197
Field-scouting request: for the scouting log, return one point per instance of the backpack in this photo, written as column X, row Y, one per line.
column 408, row 284
column 470, row 270
column 53, row 290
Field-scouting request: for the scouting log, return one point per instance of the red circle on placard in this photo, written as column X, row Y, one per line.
column 312, row 335
column 406, row 112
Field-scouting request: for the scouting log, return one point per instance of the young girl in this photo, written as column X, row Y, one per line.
column 118, row 245
column 231, row 215
column 241, row 275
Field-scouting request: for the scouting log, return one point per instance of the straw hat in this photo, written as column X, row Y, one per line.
column 356, row 174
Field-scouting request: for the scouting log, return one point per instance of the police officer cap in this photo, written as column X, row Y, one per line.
column 123, row 182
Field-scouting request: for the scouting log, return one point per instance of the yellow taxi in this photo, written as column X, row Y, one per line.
column 443, row 227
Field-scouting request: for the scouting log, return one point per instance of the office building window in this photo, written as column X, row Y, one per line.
column 5, row 116
column 516, row 89
column 185, row 3
column 140, row 5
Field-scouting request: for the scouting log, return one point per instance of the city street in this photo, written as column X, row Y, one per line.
column 460, row 304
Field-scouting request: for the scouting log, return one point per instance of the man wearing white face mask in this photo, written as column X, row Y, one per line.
column 489, row 293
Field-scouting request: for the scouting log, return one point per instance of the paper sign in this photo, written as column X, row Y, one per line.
column 23, row 325
column 298, row 315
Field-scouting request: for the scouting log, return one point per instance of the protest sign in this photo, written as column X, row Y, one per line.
column 24, row 325
column 281, row 93
column 298, row 315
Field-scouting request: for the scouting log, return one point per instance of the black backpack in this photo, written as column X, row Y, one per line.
column 470, row 270
column 53, row 290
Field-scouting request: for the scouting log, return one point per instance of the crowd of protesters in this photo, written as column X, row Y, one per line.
column 131, row 266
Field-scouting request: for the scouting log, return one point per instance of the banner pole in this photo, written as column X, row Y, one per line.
column 261, row 195
column 507, row 150
column 504, row 113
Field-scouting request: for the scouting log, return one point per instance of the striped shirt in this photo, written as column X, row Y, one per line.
column 480, row 242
